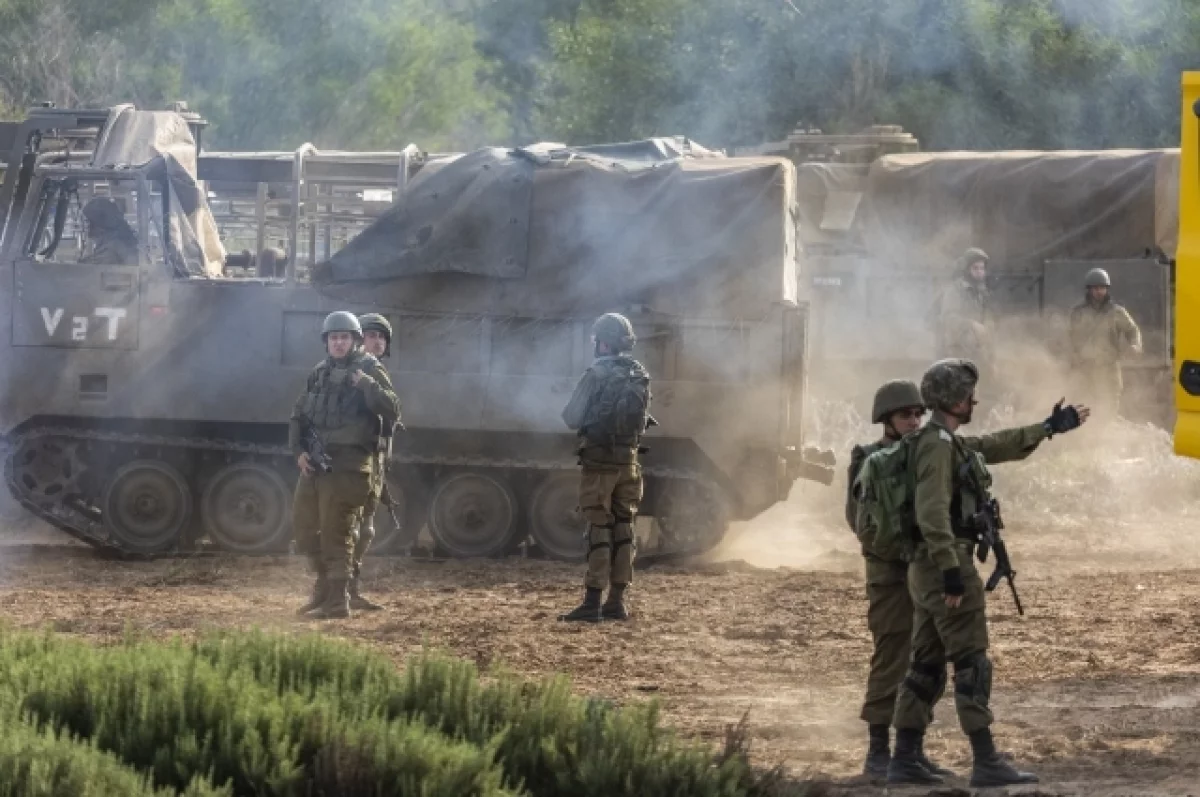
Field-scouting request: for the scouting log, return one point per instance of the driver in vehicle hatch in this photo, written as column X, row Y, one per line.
column 113, row 241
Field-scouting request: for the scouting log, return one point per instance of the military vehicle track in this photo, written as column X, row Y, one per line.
column 163, row 493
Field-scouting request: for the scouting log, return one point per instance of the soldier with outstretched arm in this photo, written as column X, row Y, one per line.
column 949, row 624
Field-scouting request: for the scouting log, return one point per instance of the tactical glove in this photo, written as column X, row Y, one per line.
column 1062, row 419
column 953, row 582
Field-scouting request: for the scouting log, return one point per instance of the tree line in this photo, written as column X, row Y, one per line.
column 455, row 74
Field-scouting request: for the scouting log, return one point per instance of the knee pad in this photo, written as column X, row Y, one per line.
column 599, row 537
column 622, row 534
column 973, row 678
column 926, row 680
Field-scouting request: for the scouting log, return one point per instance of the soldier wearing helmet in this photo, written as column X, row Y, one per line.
column 610, row 410
column 1101, row 332
column 347, row 399
column 964, row 324
column 949, row 625
column 899, row 407
column 377, row 341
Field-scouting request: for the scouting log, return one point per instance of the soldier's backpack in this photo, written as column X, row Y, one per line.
column 620, row 407
column 885, row 488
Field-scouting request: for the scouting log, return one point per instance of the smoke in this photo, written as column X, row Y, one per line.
column 1110, row 495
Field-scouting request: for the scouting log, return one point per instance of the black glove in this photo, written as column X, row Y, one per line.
column 952, row 579
column 1062, row 419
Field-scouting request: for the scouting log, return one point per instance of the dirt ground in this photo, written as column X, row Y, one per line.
column 1097, row 686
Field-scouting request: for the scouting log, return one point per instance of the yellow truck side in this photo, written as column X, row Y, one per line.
column 1187, row 276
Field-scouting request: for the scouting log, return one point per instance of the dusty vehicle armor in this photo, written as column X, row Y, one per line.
column 145, row 404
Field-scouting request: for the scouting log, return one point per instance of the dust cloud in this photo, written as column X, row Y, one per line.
column 1112, row 495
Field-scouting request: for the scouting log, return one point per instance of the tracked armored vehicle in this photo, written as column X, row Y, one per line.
column 145, row 403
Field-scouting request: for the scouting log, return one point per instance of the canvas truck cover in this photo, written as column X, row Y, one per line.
column 133, row 138
column 1022, row 208
column 557, row 231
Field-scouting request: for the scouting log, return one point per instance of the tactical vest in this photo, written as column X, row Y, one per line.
column 337, row 408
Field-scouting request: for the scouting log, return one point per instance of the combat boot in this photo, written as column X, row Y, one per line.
column 990, row 767
column 905, row 769
column 319, row 588
column 614, row 608
column 337, row 602
column 586, row 612
column 930, row 766
column 358, row 602
column 879, row 754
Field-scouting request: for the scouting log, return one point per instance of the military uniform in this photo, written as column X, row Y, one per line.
column 944, row 505
column 1100, row 335
column 951, row 479
column 327, row 507
column 610, row 480
column 366, row 526
column 889, row 612
column 964, row 317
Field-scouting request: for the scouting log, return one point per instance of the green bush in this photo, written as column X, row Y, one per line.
column 45, row 764
column 283, row 715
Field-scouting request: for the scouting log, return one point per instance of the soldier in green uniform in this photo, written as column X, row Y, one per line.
column 964, row 314
column 949, row 623
column 898, row 406
column 377, row 341
column 347, row 399
column 1102, row 331
column 610, row 410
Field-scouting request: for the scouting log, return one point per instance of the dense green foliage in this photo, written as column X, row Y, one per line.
column 458, row 73
column 252, row 714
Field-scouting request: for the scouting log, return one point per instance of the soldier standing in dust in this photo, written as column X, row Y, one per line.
column 964, row 326
column 610, row 409
column 377, row 341
column 347, row 400
column 949, row 624
column 899, row 407
column 113, row 241
column 1101, row 332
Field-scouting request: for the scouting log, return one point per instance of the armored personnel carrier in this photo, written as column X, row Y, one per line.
column 145, row 403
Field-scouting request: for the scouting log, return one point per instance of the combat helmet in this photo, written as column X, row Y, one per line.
column 1097, row 278
column 973, row 255
column 615, row 330
column 341, row 321
column 895, row 395
column 948, row 382
column 379, row 324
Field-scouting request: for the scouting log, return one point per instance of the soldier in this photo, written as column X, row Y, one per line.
column 610, row 410
column 899, row 407
column 1101, row 332
column 377, row 341
column 113, row 241
column 949, row 623
column 964, row 320
column 348, row 398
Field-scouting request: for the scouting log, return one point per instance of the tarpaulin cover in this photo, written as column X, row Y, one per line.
column 552, row 231
column 163, row 140
column 1021, row 207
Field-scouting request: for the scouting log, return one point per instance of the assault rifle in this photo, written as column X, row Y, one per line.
column 385, row 498
column 317, row 454
column 988, row 523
